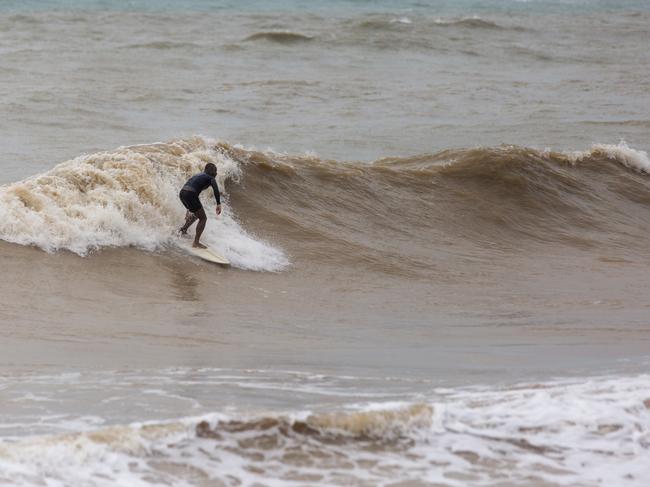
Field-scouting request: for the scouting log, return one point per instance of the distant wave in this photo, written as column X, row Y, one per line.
column 470, row 22
column 398, row 23
column 625, row 123
column 280, row 37
column 162, row 45
column 502, row 434
column 392, row 23
column 27, row 19
column 477, row 23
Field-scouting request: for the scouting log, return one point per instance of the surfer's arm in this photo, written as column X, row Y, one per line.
column 215, row 188
column 217, row 195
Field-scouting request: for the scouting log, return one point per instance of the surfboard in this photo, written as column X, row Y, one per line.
column 208, row 254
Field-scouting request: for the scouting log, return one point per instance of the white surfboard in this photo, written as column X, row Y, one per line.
column 206, row 254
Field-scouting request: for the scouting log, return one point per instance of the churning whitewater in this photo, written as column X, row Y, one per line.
column 565, row 432
column 126, row 197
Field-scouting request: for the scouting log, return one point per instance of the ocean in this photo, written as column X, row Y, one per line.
column 437, row 215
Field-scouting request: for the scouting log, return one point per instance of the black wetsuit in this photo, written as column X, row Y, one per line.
column 189, row 195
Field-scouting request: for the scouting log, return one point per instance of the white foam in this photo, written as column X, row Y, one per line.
column 590, row 431
column 226, row 235
column 621, row 153
column 126, row 197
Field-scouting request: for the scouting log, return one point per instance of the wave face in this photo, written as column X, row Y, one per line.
column 397, row 215
column 587, row 432
column 411, row 214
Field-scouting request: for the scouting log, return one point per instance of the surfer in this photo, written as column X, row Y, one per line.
column 189, row 196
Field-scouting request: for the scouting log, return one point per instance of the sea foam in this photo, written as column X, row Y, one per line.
column 583, row 431
column 621, row 153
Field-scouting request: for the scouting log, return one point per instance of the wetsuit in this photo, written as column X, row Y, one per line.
column 189, row 195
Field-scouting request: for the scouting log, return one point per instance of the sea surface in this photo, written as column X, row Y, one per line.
column 437, row 214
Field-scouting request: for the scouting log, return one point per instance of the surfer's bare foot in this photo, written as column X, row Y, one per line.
column 198, row 245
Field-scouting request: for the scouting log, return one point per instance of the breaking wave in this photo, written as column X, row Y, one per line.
column 393, row 214
column 126, row 197
column 572, row 432
column 412, row 213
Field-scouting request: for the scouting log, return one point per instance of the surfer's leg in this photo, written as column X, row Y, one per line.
column 190, row 218
column 199, row 228
column 192, row 203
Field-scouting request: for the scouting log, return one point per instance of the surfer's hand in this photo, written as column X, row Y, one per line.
column 218, row 209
